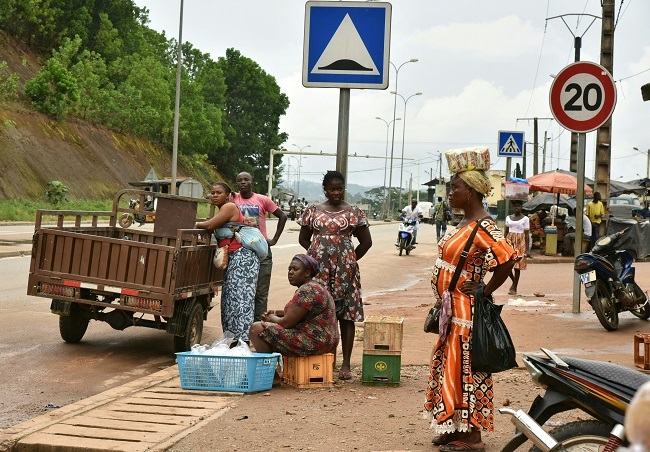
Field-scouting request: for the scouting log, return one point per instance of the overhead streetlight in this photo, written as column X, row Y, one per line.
column 299, row 163
column 392, row 147
column 388, row 123
column 401, row 172
column 648, row 170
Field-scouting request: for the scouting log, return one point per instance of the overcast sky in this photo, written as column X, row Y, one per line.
column 482, row 66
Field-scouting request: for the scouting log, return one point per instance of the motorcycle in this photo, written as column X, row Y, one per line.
column 608, row 277
column 601, row 389
column 406, row 236
column 126, row 219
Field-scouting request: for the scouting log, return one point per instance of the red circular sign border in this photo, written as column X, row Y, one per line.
column 609, row 97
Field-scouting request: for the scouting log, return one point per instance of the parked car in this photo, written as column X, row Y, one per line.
column 622, row 206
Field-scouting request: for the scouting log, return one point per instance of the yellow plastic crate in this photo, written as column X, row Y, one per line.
column 305, row 372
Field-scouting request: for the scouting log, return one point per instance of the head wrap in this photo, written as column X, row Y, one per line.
column 477, row 179
column 309, row 262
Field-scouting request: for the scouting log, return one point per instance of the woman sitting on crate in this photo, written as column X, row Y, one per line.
column 307, row 325
column 240, row 276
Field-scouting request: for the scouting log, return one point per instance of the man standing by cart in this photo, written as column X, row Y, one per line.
column 254, row 207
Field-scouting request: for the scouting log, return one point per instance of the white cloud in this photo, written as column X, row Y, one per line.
column 506, row 37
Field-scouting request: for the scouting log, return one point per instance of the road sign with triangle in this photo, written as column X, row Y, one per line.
column 346, row 44
column 511, row 144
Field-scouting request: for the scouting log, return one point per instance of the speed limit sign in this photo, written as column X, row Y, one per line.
column 583, row 96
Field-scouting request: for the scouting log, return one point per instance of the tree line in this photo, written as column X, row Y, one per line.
column 102, row 64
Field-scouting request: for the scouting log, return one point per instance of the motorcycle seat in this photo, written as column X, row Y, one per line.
column 621, row 376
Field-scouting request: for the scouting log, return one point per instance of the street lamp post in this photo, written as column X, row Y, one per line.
column 296, row 172
column 392, row 146
column 299, row 163
column 388, row 123
column 648, row 170
column 401, row 172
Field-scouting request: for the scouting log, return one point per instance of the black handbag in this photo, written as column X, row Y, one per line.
column 492, row 347
column 432, row 322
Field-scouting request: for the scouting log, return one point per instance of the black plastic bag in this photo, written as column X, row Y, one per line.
column 340, row 304
column 492, row 347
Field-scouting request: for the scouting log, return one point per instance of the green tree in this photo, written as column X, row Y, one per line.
column 8, row 84
column 53, row 89
column 254, row 105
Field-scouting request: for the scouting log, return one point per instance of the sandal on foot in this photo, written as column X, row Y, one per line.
column 444, row 438
column 512, row 292
column 345, row 375
column 455, row 446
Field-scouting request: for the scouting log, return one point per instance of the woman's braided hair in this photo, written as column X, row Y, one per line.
column 332, row 176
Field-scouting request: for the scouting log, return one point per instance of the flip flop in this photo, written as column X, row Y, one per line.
column 455, row 446
column 444, row 438
column 345, row 375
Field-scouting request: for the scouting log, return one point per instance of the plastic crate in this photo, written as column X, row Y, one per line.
column 381, row 370
column 227, row 373
column 382, row 335
column 309, row 371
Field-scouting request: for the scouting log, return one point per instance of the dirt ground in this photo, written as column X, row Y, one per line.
column 351, row 416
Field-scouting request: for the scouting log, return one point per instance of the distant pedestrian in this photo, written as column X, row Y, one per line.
column 518, row 233
column 440, row 215
column 292, row 211
column 596, row 213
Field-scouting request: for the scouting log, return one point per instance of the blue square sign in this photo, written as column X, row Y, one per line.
column 346, row 44
column 511, row 144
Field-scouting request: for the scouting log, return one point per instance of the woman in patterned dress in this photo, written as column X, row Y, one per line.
column 240, row 276
column 307, row 324
column 458, row 400
column 518, row 232
column 326, row 233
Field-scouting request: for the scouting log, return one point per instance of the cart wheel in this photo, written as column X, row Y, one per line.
column 193, row 332
column 125, row 220
column 72, row 327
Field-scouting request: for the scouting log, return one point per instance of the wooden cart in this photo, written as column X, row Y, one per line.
column 163, row 279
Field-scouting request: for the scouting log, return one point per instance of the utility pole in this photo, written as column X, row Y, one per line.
column 604, row 132
column 544, row 154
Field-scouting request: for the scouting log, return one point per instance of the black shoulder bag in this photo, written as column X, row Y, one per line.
column 432, row 322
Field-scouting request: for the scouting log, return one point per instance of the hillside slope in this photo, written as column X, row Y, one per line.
column 92, row 161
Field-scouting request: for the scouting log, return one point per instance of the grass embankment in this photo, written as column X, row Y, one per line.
column 23, row 210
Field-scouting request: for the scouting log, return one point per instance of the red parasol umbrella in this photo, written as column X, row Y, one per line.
column 557, row 182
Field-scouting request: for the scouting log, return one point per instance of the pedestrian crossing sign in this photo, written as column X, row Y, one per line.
column 511, row 144
column 346, row 44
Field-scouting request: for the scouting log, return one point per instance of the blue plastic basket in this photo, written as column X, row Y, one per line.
column 227, row 373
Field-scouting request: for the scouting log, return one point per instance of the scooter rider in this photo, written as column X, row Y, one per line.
column 411, row 213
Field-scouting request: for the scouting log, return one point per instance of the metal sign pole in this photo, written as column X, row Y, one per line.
column 507, row 204
column 344, row 134
column 577, row 247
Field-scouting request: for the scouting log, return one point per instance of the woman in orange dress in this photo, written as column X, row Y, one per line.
column 459, row 402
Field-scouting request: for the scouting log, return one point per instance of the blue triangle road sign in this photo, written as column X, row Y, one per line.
column 511, row 144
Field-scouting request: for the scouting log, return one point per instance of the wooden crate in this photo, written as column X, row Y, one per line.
column 642, row 358
column 382, row 335
column 305, row 372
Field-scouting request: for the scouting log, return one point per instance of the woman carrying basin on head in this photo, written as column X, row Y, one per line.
column 459, row 402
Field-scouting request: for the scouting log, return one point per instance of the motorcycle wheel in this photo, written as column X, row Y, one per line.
column 125, row 220
column 604, row 307
column 643, row 312
column 581, row 436
column 408, row 250
column 402, row 245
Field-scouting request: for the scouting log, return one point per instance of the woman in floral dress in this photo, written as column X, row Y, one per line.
column 326, row 233
column 307, row 324
column 459, row 401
